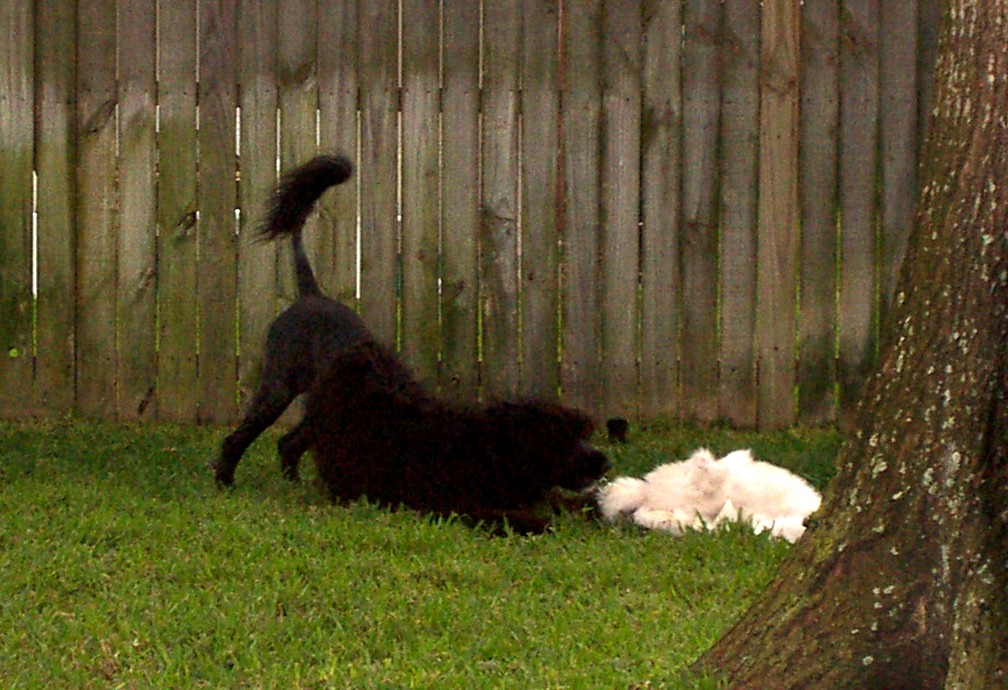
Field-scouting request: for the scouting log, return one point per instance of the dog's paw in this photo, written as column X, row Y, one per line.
column 290, row 471
column 223, row 477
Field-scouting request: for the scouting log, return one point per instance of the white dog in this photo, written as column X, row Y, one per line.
column 703, row 492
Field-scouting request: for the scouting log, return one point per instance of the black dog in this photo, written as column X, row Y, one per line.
column 377, row 432
column 307, row 335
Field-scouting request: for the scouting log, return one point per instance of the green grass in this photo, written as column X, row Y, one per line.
column 122, row 566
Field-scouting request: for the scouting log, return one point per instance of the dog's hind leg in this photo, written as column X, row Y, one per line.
column 268, row 404
column 291, row 447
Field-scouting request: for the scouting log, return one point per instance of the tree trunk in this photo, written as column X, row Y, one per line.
column 902, row 582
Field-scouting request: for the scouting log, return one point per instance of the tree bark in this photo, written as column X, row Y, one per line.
column 902, row 581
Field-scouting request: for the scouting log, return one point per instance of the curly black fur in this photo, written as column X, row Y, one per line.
column 307, row 335
column 377, row 432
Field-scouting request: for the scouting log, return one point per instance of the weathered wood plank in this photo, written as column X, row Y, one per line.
column 898, row 130
column 136, row 306
column 421, row 337
column 820, row 109
column 740, row 58
column 217, row 194
column 701, row 111
column 620, row 205
column 499, row 197
column 338, row 86
column 96, row 204
column 540, row 278
column 737, row 211
column 378, row 32
column 17, row 142
column 581, row 64
column 778, row 216
column 55, row 74
column 661, row 288
column 177, row 390
column 859, row 112
column 257, row 262
column 460, row 198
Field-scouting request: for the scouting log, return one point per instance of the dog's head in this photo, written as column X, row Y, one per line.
column 586, row 466
column 552, row 442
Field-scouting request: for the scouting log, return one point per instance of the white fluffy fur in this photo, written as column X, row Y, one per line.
column 702, row 491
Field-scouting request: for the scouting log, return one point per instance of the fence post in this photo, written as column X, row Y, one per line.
column 17, row 143
column 859, row 113
column 540, row 267
column 176, row 217
column 581, row 65
column 55, row 77
column 739, row 194
column 460, row 198
column 136, row 305
column 217, row 192
column 96, row 208
column 661, row 175
column 820, row 119
column 778, row 214
column 699, row 250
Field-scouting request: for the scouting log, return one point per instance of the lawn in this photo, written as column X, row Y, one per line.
column 121, row 565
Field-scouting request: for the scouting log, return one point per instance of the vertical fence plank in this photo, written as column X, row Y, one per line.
column 581, row 64
column 16, row 151
column 378, row 21
column 217, row 193
column 499, row 211
column 137, row 295
column 460, row 197
column 177, row 212
column 420, row 194
column 96, row 200
column 660, row 213
column 296, row 50
column 740, row 50
column 540, row 286
column 820, row 113
column 257, row 262
column 859, row 111
column 701, row 106
column 621, row 116
column 778, row 215
column 898, row 106
column 338, row 85
column 55, row 60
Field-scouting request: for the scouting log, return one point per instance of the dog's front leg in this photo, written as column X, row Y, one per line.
column 266, row 407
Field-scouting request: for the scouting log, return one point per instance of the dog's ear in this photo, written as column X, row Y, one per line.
column 579, row 424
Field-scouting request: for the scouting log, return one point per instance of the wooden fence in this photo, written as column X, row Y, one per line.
column 672, row 209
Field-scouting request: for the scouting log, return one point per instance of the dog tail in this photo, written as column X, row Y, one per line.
column 292, row 201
